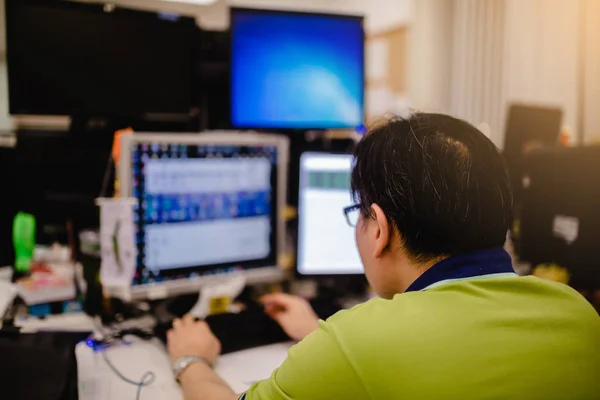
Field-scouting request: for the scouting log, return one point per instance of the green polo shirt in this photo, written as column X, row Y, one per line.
column 493, row 338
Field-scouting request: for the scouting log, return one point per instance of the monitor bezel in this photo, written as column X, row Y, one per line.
column 298, row 127
column 298, row 273
column 125, row 175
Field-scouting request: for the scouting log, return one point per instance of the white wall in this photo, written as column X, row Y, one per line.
column 477, row 78
column 591, row 109
column 382, row 15
column 542, row 42
column 540, row 61
column 429, row 55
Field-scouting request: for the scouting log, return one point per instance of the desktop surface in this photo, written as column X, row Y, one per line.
column 326, row 243
column 97, row 381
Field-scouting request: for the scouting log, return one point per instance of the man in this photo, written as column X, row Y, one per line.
column 453, row 320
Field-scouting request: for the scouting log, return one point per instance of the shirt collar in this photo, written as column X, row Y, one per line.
column 494, row 262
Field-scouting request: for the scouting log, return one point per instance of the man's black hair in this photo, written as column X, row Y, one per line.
column 439, row 180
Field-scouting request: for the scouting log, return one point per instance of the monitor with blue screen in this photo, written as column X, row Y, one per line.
column 326, row 243
column 296, row 70
column 205, row 204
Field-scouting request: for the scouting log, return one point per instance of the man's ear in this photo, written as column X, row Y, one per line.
column 382, row 230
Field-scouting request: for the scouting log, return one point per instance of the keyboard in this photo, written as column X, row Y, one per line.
column 249, row 328
column 244, row 330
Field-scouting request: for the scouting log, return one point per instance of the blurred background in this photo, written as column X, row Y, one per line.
column 468, row 58
column 526, row 72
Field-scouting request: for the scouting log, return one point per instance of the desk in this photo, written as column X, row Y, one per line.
column 99, row 382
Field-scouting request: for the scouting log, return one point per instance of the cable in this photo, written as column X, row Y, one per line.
column 147, row 378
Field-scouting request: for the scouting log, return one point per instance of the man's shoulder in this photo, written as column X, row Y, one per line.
column 449, row 304
column 363, row 310
column 526, row 289
column 562, row 295
column 373, row 315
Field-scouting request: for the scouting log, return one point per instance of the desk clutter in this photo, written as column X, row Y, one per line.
column 122, row 359
column 72, row 365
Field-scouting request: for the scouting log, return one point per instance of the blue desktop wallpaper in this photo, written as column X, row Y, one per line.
column 296, row 70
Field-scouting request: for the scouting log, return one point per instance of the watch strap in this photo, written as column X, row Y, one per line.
column 182, row 363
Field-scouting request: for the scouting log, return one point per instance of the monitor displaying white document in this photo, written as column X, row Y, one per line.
column 326, row 242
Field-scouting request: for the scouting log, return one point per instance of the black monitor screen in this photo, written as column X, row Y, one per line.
column 203, row 207
column 529, row 125
column 81, row 59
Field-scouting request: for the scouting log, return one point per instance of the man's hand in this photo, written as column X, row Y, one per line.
column 198, row 381
column 190, row 338
column 293, row 313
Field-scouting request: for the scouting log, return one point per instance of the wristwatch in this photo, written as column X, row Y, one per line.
column 183, row 362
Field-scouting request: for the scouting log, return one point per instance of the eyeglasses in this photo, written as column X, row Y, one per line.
column 352, row 214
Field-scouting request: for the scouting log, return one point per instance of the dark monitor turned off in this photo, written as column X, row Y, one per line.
column 68, row 58
column 531, row 125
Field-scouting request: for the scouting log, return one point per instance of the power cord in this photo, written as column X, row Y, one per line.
column 147, row 378
column 112, row 336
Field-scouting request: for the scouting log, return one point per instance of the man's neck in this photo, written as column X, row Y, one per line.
column 414, row 269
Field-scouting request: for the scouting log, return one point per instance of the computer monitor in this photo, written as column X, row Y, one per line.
column 326, row 243
column 70, row 58
column 528, row 127
column 531, row 125
column 208, row 204
column 293, row 70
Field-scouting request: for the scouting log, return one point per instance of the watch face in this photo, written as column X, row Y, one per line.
column 183, row 362
column 179, row 365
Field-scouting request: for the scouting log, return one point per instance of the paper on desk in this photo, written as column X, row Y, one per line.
column 92, row 375
column 243, row 368
column 117, row 243
column 8, row 291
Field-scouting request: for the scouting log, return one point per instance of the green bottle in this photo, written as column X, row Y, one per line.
column 23, row 240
